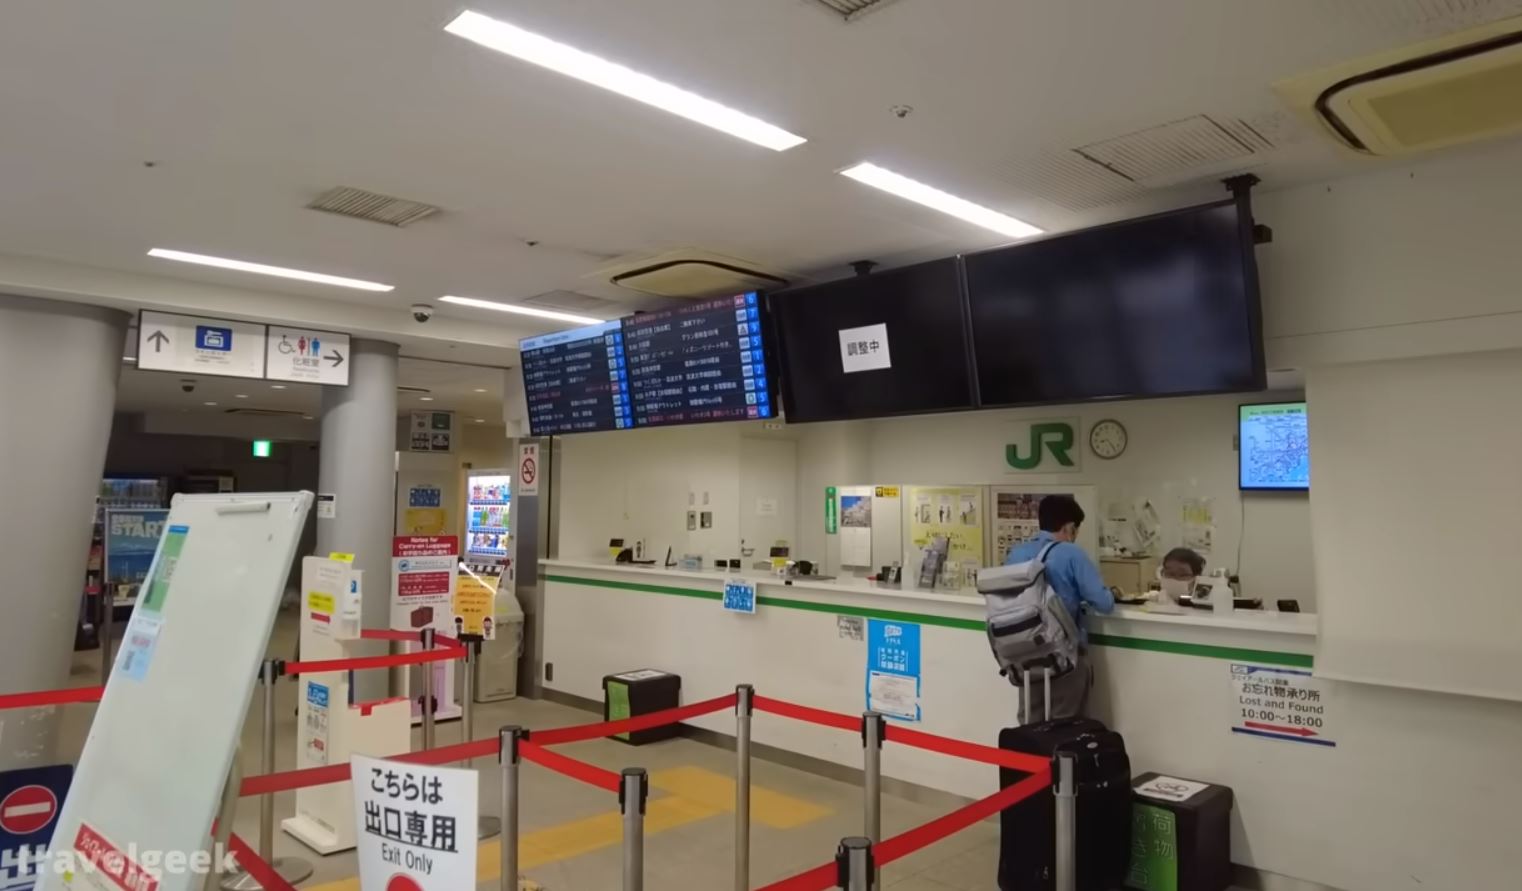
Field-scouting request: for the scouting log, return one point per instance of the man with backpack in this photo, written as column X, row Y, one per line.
column 1075, row 580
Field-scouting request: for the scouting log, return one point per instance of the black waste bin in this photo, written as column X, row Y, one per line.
column 1180, row 835
column 635, row 693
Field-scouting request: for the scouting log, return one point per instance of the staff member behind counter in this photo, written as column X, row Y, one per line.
column 1181, row 567
column 1077, row 581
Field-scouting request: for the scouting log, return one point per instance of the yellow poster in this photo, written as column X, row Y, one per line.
column 954, row 513
column 425, row 521
column 475, row 596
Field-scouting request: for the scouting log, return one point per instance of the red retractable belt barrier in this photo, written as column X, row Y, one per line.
column 562, row 735
column 51, row 697
column 338, row 773
column 360, row 663
column 808, row 713
column 576, row 770
column 907, row 843
column 970, row 751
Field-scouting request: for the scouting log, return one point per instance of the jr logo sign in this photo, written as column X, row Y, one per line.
column 1047, row 446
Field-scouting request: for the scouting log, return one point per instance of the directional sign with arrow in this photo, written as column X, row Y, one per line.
column 306, row 356
column 158, row 339
column 169, row 341
column 1289, row 704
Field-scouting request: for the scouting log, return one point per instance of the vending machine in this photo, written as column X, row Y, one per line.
column 488, row 532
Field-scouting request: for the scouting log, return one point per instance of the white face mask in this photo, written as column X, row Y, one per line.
column 1176, row 588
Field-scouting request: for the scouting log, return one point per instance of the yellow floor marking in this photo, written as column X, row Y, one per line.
column 691, row 794
column 771, row 809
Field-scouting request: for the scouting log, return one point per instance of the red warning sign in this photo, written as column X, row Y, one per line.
column 28, row 810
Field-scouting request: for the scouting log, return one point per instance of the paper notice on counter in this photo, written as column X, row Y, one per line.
column 894, row 695
column 856, row 526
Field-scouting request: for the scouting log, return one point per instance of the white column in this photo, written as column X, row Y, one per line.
column 358, row 467
column 59, row 364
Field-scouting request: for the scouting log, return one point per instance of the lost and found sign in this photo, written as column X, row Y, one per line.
column 417, row 826
column 1281, row 703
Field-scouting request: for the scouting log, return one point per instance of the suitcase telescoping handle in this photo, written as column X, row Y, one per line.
column 1046, row 699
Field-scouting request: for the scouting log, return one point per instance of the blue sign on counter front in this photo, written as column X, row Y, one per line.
column 739, row 596
column 893, row 669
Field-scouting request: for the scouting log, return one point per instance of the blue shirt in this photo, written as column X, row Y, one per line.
column 1071, row 574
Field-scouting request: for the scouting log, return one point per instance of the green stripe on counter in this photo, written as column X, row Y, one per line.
column 1207, row 651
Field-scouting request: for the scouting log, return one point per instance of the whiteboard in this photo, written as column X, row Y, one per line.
column 1416, row 511
column 165, row 733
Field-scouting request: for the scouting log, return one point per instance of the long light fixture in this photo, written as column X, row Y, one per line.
column 945, row 202
column 599, row 72
column 262, row 269
column 522, row 310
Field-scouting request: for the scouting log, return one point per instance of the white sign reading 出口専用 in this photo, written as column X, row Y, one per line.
column 417, row 825
column 306, row 356
column 168, row 341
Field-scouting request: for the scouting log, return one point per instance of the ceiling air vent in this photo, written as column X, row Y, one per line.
column 1186, row 148
column 691, row 273
column 852, row 10
column 372, row 206
column 570, row 301
column 1444, row 92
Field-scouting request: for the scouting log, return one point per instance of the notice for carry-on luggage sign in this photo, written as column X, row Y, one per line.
column 1281, row 703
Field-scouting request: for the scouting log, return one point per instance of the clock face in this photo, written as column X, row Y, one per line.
column 1107, row 439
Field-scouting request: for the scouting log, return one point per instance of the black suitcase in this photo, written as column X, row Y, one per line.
column 1027, row 831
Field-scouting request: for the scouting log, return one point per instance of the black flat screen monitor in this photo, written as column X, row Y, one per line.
column 889, row 343
column 1160, row 306
column 576, row 381
column 699, row 363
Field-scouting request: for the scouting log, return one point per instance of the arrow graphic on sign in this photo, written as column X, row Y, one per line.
column 1294, row 731
column 335, row 358
column 158, row 339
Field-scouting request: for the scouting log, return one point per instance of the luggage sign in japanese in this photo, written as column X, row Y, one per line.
column 1281, row 703
column 417, row 825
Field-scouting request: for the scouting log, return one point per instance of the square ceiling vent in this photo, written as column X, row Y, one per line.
column 851, row 10
column 1192, row 146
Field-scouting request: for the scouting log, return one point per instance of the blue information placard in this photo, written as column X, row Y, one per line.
column 739, row 596
column 132, row 537
column 893, row 669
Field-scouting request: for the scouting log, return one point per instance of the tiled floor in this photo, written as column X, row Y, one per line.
column 570, row 832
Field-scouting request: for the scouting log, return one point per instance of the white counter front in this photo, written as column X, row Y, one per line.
column 1360, row 814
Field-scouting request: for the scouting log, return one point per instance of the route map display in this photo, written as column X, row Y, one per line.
column 1275, row 448
column 577, row 381
column 698, row 363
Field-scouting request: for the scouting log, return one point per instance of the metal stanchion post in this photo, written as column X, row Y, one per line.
column 632, row 793
column 292, row 869
column 854, row 866
column 104, row 632
column 872, row 727
column 486, row 826
column 1067, row 823
column 226, row 811
column 507, row 756
column 744, row 696
column 429, row 700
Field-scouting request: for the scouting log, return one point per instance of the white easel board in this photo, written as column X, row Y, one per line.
column 166, row 732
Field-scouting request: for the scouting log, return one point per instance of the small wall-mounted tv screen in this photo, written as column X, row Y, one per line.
column 1275, row 447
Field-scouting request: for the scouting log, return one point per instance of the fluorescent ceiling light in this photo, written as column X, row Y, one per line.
column 945, row 202
column 599, row 72
column 522, row 310
column 261, row 269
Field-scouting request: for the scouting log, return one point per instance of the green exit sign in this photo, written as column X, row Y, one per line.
column 262, row 448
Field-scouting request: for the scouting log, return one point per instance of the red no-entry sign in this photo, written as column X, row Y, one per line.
column 28, row 810
column 403, row 883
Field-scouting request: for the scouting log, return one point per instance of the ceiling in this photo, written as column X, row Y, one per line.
column 247, row 111
column 475, row 392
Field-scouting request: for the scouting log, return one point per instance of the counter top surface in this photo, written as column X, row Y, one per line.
column 1237, row 620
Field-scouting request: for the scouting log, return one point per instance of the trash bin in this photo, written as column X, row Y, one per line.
column 497, row 669
column 1181, row 835
column 635, row 693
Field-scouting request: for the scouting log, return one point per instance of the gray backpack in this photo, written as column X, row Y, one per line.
column 1029, row 629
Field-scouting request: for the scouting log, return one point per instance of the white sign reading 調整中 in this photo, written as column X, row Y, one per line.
column 196, row 345
column 864, row 349
column 306, row 356
column 417, row 825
